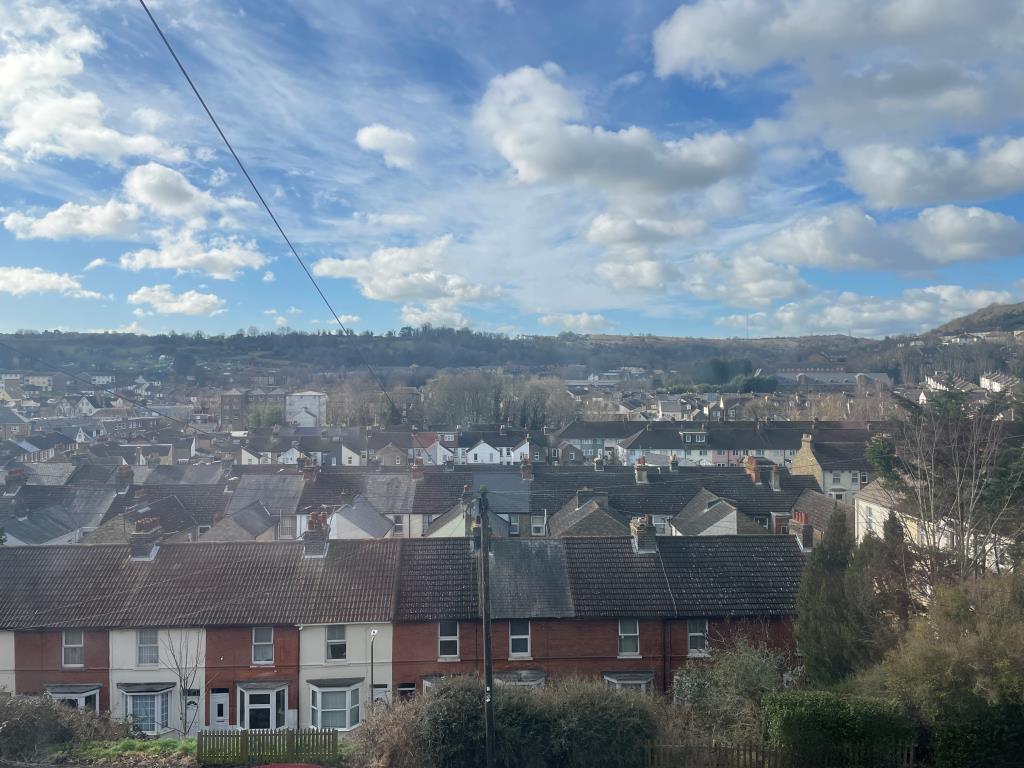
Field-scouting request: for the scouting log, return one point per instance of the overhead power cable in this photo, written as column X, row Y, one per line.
column 316, row 286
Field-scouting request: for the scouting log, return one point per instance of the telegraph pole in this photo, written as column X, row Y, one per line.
column 485, row 607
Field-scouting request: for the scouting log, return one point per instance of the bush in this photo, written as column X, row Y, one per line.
column 992, row 738
column 819, row 721
column 570, row 724
column 30, row 726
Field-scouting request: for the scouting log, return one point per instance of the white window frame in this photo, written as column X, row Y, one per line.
column 642, row 687
column 628, row 635
column 537, row 525
column 161, row 710
column 521, row 654
column 352, row 708
column 697, row 628
column 245, row 706
column 262, row 644
column 398, row 527
column 442, row 638
column 863, row 478
column 334, row 642
column 425, row 521
column 513, row 525
column 837, row 478
column 79, row 699
column 154, row 646
column 66, row 646
column 701, row 437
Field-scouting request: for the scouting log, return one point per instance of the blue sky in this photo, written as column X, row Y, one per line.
column 513, row 166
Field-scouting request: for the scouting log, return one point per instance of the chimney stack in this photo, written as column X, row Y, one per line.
column 645, row 535
column 806, row 441
column 673, row 464
column 309, row 470
column 753, row 470
column 314, row 540
column 598, row 464
column 124, row 476
column 16, row 478
column 144, row 541
column 641, row 471
column 773, row 475
column 416, row 469
column 526, row 469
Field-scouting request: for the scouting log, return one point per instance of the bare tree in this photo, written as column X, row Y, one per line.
column 183, row 650
column 955, row 472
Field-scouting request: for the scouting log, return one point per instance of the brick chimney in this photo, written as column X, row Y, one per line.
column 598, row 464
column 752, row 469
column 315, row 538
column 416, row 469
column 673, row 464
column 640, row 470
column 16, row 478
column 773, row 478
column 124, row 476
column 644, row 534
column 144, row 541
column 309, row 471
column 806, row 442
column 526, row 469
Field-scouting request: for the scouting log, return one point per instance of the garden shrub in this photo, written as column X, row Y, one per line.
column 993, row 737
column 821, row 721
column 30, row 726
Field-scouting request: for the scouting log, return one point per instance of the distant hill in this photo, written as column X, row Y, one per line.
column 995, row 317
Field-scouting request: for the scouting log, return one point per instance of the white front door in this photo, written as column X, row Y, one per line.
column 219, row 708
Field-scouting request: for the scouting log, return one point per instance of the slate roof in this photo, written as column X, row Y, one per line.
column 608, row 578
column 359, row 520
column 841, row 456
column 186, row 474
column 37, row 514
column 279, row 493
column 44, row 473
column 7, row 416
column 203, row 503
column 92, row 474
column 529, row 579
column 819, row 508
column 589, row 519
column 197, row 584
column 251, row 521
column 656, row 439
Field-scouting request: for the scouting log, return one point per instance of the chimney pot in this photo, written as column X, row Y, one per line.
column 315, row 538
column 416, row 469
column 640, row 470
column 144, row 541
column 526, row 469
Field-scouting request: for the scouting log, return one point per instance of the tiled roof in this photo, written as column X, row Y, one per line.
column 279, row 493
column 841, row 456
column 187, row 474
column 92, row 474
column 819, row 508
column 203, row 503
column 529, row 579
column 732, row 575
column 608, row 578
column 589, row 519
column 437, row 580
column 202, row 584
column 38, row 514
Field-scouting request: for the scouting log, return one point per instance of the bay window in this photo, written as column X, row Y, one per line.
column 149, row 712
column 336, row 708
column 262, row 706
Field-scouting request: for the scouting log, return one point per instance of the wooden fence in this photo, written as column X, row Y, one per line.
column 241, row 747
column 763, row 756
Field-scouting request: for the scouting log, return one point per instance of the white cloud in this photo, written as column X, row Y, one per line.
column 280, row 321
column 742, row 280
column 845, row 237
column 293, row 311
column 611, row 230
column 390, row 220
column 650, row 274
column 167, row 193
column 397, row 147
column 112, row 219
column 41, row 113
column 915, row 309
column 268, row 277
column 403, row 274
column 218, row 178
column 535, row 124
column 220, row 258
column 899, row 176
column 581, row 322
column 439, row 312
column 715, row 38
column 22, row 281
column 348, row 319
column 96, row 263
column 164, row 301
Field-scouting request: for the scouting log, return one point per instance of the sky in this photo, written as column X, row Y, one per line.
column 698, row 169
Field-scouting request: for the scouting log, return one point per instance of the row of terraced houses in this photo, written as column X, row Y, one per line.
column 183, row 636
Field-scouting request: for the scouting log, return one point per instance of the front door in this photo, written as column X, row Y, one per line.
column 219, row 708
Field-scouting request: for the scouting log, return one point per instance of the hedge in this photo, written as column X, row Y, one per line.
column 569, row 725
column 992, row 737
column 819, row 721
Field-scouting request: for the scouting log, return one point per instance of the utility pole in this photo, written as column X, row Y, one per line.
column 485, row 607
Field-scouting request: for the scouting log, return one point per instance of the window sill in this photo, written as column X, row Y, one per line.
column 520, row 657
column 629, row 656
column 447, row 659
column 259, row 664
column 698, row 655
column 73, row 666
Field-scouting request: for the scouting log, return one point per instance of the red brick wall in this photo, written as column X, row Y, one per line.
column 574, row 647
column 229, row 662
column 38, row 661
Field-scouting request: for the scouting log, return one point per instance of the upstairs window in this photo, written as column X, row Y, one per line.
column 448, row 640
column 837, row 478
column 73, row 648
column 513, row 525
column 399, row 529
column 697, row 637
column 536, row 525
column 148, row 647
column 629, row 637
column 519, row 637
column 262, row 645
column 336, row 647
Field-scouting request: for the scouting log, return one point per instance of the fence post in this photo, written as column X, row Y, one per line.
column 243, row 746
